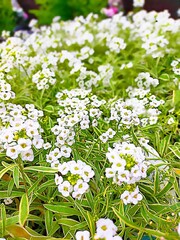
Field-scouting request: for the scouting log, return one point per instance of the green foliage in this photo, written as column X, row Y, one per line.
column 7, row 21
column 49, row 9
column 66, row 9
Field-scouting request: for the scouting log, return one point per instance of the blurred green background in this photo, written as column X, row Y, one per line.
column 67, row 9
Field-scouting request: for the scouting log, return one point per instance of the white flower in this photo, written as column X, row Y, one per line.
column 136, row 196
column 75, row 168
column 24, row 144
column 119, row 165
column 138, row 3
column 63, row 168
column 113, row 155
column 66, row 151
column 103, row 137
column 81, row 186
column 8, row 201
column 123, row 176
column 105, row 228
column 171, row 121
column 87, row 173
column 117, row 238
column 82, row 235
column 27, row 155
column 38, row 142
column 65, row 188
column 12, row 152
column 126, row 197
column 110, row 172
column 47, row 145
column 58, row 179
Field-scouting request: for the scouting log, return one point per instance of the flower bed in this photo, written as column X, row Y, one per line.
column 89, row 129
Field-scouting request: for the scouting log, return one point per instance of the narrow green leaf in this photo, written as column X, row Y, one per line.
column 48, row 220
column 16, row 176
column 65, row 211
column 166, row 188
column 23, row 209
column 3, row 217
column 176, row 150
column 156, row 181
column 68, row 222
column 10, row 187
column 41, row 169
column 2, row 172
column 152, row 232
column 88, row 217
column 4, row 194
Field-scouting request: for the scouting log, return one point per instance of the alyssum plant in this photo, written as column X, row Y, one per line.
column 89, row 131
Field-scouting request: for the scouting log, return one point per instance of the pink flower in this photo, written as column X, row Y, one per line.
column 115, row 2
column 109, row 12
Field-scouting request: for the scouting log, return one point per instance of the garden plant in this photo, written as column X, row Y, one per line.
column 89, row 135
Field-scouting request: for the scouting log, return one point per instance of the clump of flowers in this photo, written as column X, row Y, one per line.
column 110, row 133
column 128, row 166
column 78, row 109
column 20, row 130
column 141, row 108
column 105, row 229
column 5, row 90
column 73, row 178
column 43, row 78
column 176, row 66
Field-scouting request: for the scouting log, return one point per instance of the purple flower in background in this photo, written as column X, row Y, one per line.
column 115, row 3
column 111, row 11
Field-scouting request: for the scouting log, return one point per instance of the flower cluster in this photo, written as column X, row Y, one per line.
column 73, row 178
column 44, row 78
column 176, row 66
column 128, row 166
column 20, row 130
column 108, row 134
column 77, row 109
column 105, row 229
column 154, row 30
column 116, row 44
column 5, row 90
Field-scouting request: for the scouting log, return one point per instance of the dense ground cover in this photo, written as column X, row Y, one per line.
column 89, row 129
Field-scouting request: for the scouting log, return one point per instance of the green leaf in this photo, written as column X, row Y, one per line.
column 176, row 98
column 65, row 211
column 16, row 176
column 41, row 169
column 2, row 172
column 49, row 108
column 3, row 217
column 165, row 77
column 156, row 181
column 4, row 194
column 166, row 188
column 176, row 150
column 88, row 217
column 68, row 222
column 23, row 209
column 131, row 224
column 163, row 209
column 48, row 220
column 164, row 145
